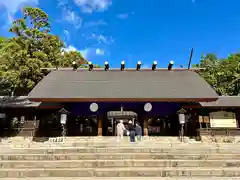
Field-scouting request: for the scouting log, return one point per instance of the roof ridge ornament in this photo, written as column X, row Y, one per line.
column 106, row 68
column 138, row 65
column 170, row 65
column 74, row 65
column 154, row 65
column 122, row 65
column 90, row 66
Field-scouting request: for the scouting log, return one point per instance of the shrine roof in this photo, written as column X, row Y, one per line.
column 115, row 85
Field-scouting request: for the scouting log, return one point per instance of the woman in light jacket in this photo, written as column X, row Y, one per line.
column 120, row 129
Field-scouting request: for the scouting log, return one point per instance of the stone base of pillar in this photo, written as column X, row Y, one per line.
column 99, row 126
column 99, row 131
column 145, row 132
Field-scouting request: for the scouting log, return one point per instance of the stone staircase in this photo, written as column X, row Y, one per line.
column 97, row 158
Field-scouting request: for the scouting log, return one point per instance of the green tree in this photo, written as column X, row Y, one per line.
column 31, row 48
column 68, row 57
column 230, row 74
column 26, row 53
column 2, row 41
column 222, row 74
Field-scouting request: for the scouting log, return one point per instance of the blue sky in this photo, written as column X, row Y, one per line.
column 134, row 30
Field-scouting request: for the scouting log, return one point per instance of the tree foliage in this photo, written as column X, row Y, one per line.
column 69, row 57
column 31, row 48
column 222, row 74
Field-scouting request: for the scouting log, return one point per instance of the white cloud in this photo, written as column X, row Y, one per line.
column 89, row 6
column 84, row 52
column 66, row 34
column 95, row 23
column 12, row 6
column 73, row 18
column 10, row 18
column 62, row 3
column 99, row 52
column 87, row 53
column 70, row 48
column 146, row 66
column 101, row 39
column 122, row 16
column 69, row 15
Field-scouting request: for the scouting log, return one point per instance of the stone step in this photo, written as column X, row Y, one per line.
column 127, row 140
column 15, row 146
column 159, row 140
column 110, row 141
column 118, row 163
column 132, row 149
column 118, row 156
column 74, row 146
column 125, row 178
column 94, row 141
column 95, row 138
column 82, row 144
column 114, row 143
column 121, row 172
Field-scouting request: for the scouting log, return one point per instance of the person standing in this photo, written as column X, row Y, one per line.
column 120, row 129
column 138, row 131
column 131, row 130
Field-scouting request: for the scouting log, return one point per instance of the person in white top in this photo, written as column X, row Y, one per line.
column 120, row 129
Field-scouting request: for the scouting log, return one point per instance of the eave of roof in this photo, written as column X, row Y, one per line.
column 17, row 101
column 24, row 102
column 223, row 101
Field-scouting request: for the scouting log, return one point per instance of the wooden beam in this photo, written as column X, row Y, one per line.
column 145, row 126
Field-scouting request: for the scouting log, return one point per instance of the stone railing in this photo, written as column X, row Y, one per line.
column 224, row 135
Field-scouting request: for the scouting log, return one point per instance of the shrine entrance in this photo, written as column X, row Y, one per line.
column 115, row 116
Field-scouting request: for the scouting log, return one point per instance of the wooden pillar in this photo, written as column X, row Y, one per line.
column 100, row 126
column 145, row 126
column 237, row 113
column 194, row 119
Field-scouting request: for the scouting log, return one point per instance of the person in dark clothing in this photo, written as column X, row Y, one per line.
column 131, row 130
column 138, row 131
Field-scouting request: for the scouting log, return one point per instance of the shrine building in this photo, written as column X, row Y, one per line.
column 95, row 99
